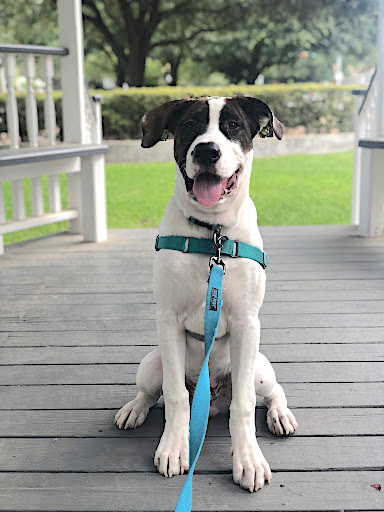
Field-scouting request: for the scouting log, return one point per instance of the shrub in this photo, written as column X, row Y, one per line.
column 319, row 108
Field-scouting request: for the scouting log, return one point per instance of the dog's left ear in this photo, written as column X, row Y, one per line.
column 162, row 120
column 260, row 117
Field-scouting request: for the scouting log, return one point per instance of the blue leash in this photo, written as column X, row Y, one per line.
column 202, row 396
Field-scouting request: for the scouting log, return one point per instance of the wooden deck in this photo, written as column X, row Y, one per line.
column 75, row 321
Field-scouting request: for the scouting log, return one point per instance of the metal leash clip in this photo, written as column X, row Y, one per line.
column 218, row 245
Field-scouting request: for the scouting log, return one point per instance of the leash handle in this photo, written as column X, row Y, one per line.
column 202, row 396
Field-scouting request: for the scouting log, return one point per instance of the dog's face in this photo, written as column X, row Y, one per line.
column 213, row 140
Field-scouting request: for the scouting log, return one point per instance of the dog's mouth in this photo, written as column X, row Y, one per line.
column 208, row 189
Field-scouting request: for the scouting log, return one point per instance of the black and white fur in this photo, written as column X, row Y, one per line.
column 238, row 370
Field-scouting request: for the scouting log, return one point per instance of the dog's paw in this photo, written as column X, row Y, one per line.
column 250, row 469
column 132, row 414
column 281, row 421
column 172, row 454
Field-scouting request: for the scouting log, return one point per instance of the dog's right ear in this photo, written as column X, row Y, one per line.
column 162, row 120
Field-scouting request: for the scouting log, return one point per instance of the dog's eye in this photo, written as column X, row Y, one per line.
column 189, row 124
column 232, row 125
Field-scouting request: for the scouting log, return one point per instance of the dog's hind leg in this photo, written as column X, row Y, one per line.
column 149, row 380
column 280, row 419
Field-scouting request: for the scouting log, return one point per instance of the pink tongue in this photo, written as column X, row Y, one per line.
column 207, row 189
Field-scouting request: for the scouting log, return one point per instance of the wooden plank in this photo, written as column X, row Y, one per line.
column 108, row 396
column 127, row 324
column 117, row 258
column 79, row 311
column 287, row 261
column 144, row 274
column 80, row 298
column 311, row 336
column 126, row 373
column 24, row 289
column 129, row 287
column 271, row 297
column 79, row 338
column 291, row 492
column 26, row 324
column 136, row 309
column 117, row 454
column 298, row 353
column 100, row 423
column 145, row 261
column 323, row 295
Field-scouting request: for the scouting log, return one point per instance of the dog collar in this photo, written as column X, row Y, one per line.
column 212, row 227
column 231, row 248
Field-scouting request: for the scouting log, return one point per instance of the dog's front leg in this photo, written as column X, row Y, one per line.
column 250, row 469
column 172, row 454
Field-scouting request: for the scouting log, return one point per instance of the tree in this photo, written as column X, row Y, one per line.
column 275, row 32
column 132, row 29
column 28, row 22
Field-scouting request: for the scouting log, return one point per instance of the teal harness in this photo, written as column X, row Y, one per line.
column 215, row 247
column 231, row 248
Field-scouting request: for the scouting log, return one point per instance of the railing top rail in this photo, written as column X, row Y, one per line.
column 35, row 49
column 366, row 95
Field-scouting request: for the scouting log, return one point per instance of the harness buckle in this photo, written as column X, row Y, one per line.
column 157, row 244
column 218, row 245
column 235, row 249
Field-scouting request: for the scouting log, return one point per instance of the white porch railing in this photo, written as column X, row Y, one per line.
column 81, row 157
column 365, row 127
column 368, row 176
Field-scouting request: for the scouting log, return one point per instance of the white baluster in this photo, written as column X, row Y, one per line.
column 47, row 70
column 12, row 113
column 98, row 125
column 18, row 200
column 2, row 216
column 30, row 100
column 37, row 196
column 54, row 194
column 32, row 129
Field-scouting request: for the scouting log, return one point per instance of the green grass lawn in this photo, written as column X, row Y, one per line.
column 289, row 190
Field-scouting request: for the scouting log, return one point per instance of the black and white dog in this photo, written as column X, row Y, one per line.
column 213, row 153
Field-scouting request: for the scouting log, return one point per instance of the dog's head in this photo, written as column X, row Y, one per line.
column 213, row 141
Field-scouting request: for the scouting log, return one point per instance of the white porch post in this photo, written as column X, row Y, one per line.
column 86, row 190
column 72, row 84
column 372, row 192
column 380, row 70
column 72, row 73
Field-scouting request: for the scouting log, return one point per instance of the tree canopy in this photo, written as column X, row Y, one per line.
column 234, row 39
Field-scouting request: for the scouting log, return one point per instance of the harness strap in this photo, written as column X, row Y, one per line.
column 230, row 248
column 202, row 396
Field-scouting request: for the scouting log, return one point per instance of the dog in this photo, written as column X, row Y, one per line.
column 213, row 150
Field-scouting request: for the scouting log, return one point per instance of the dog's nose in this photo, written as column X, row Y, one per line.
column 206, row 153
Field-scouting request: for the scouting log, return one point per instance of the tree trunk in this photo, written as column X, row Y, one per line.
column 122, row 71
column 254, row 68
column 138, row 56
column 175, row 63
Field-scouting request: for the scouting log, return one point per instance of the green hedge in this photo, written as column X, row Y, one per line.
column 319, row 108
